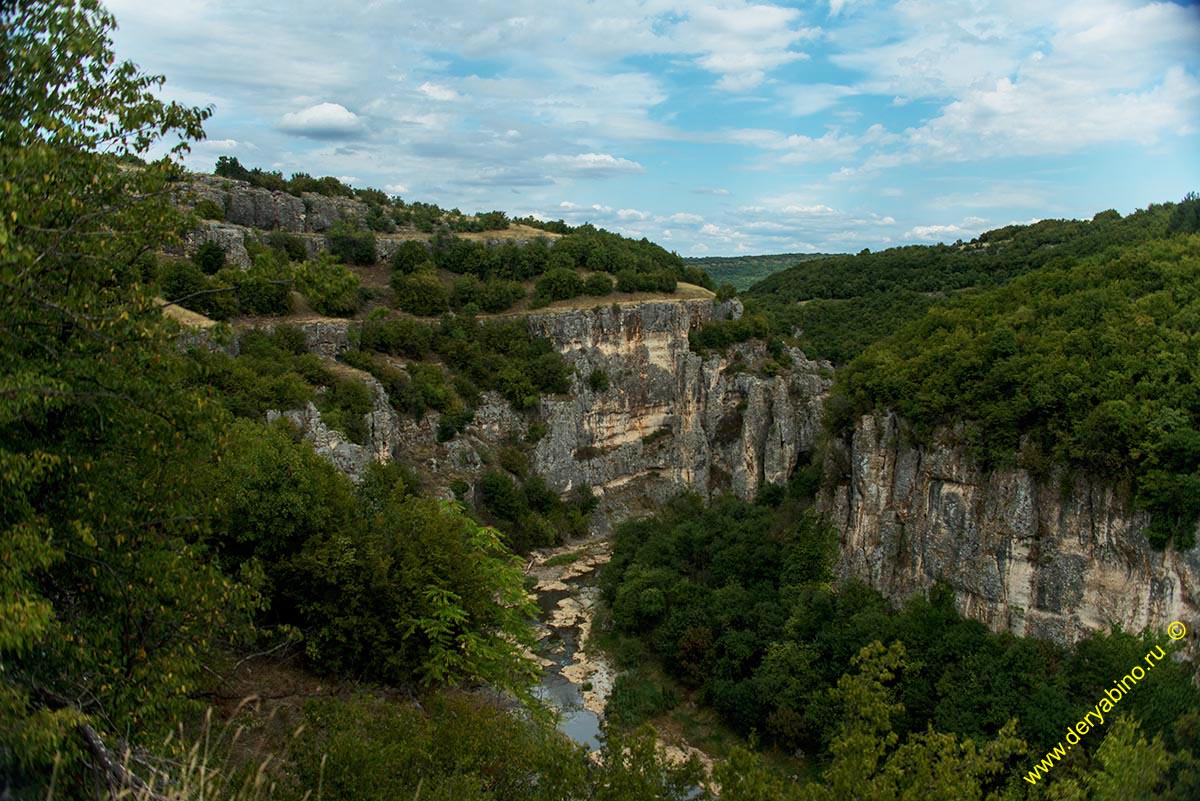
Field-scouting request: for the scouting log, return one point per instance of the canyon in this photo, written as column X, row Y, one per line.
column 1053, row 557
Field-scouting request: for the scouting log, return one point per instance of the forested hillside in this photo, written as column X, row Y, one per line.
column 841, row 304
column 1091, row 362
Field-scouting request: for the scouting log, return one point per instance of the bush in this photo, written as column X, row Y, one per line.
column 465, row 291
column 290, row 245
column 397, row 336
column 208, row 209
column 559, row 284
column 210, row 258
column 264, row 289
column 350, row 245
column 497, row 296
column 410, row 256
column 328, row 286
column 598, row 284
column 598, row 380
column 451, row 423
column 182, row 282
column 421, row 294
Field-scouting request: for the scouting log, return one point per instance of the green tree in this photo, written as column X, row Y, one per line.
column 328, row 286
column 106, row 595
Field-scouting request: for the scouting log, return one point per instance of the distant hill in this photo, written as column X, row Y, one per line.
column 844, row 303
column 744, row 272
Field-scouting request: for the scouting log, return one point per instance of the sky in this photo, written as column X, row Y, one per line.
column 722, row 128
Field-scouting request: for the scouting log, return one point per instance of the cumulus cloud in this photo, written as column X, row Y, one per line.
column 593, row 164
column 323, row 121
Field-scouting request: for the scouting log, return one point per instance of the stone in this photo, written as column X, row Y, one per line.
column 1021, row 553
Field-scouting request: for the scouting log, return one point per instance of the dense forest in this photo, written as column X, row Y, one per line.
column 840, row 304
column 733, row 604
column 1091, row 362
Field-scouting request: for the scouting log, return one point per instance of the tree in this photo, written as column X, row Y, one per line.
column 106, row 596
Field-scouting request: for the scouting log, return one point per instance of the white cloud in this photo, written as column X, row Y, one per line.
column 633, row 214
column 685, row 217
column 741, row 42
column 598, row 164
column 322, row 121
column 707, row 191
column 969, row 228
column 438, row 92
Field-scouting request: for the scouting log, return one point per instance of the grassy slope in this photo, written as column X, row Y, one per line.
column 745, row 271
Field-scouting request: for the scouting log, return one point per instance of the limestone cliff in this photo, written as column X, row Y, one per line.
column 669, row 419
column 1046, row 557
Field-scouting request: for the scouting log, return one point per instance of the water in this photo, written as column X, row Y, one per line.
column 580, row 724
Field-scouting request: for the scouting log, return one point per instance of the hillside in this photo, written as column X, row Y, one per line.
column 742, row 272
column 841, row 304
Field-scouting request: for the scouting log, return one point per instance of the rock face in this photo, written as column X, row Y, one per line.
column 231, row 238
column 1037, row 557
column 670, row 420
column 383, row 434
column 254, row 207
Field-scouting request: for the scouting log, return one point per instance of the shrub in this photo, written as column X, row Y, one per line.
column 637, row 697
column 182, row 282
column 289, row 244
column 465, row 291
column 210, row 258
column 559, row 284
column 328, row 286
column 497, row 296
column 451, row 423
column 208, row 209
column 350, row 245
column 598, row 284
column 410, row 256
column 264, row 289
column 598, row 380
column 421, row 294
column 397, row 336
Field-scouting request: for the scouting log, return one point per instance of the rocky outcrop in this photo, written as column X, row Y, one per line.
column 1050, row 557
column 670, row 420
column 383, row 434
column 231, row 238
column 253, row 207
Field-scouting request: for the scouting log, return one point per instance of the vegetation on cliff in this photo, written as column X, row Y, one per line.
column 735, row 604
column 1088, row 362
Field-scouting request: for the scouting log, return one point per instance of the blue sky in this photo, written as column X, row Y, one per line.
column 711, row 128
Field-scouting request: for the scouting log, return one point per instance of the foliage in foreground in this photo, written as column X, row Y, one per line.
column 142, row 531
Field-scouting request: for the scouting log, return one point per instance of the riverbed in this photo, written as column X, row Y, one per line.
column 575, row 682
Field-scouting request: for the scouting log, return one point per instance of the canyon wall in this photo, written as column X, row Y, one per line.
column 670, row 419
column 1051, row 557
